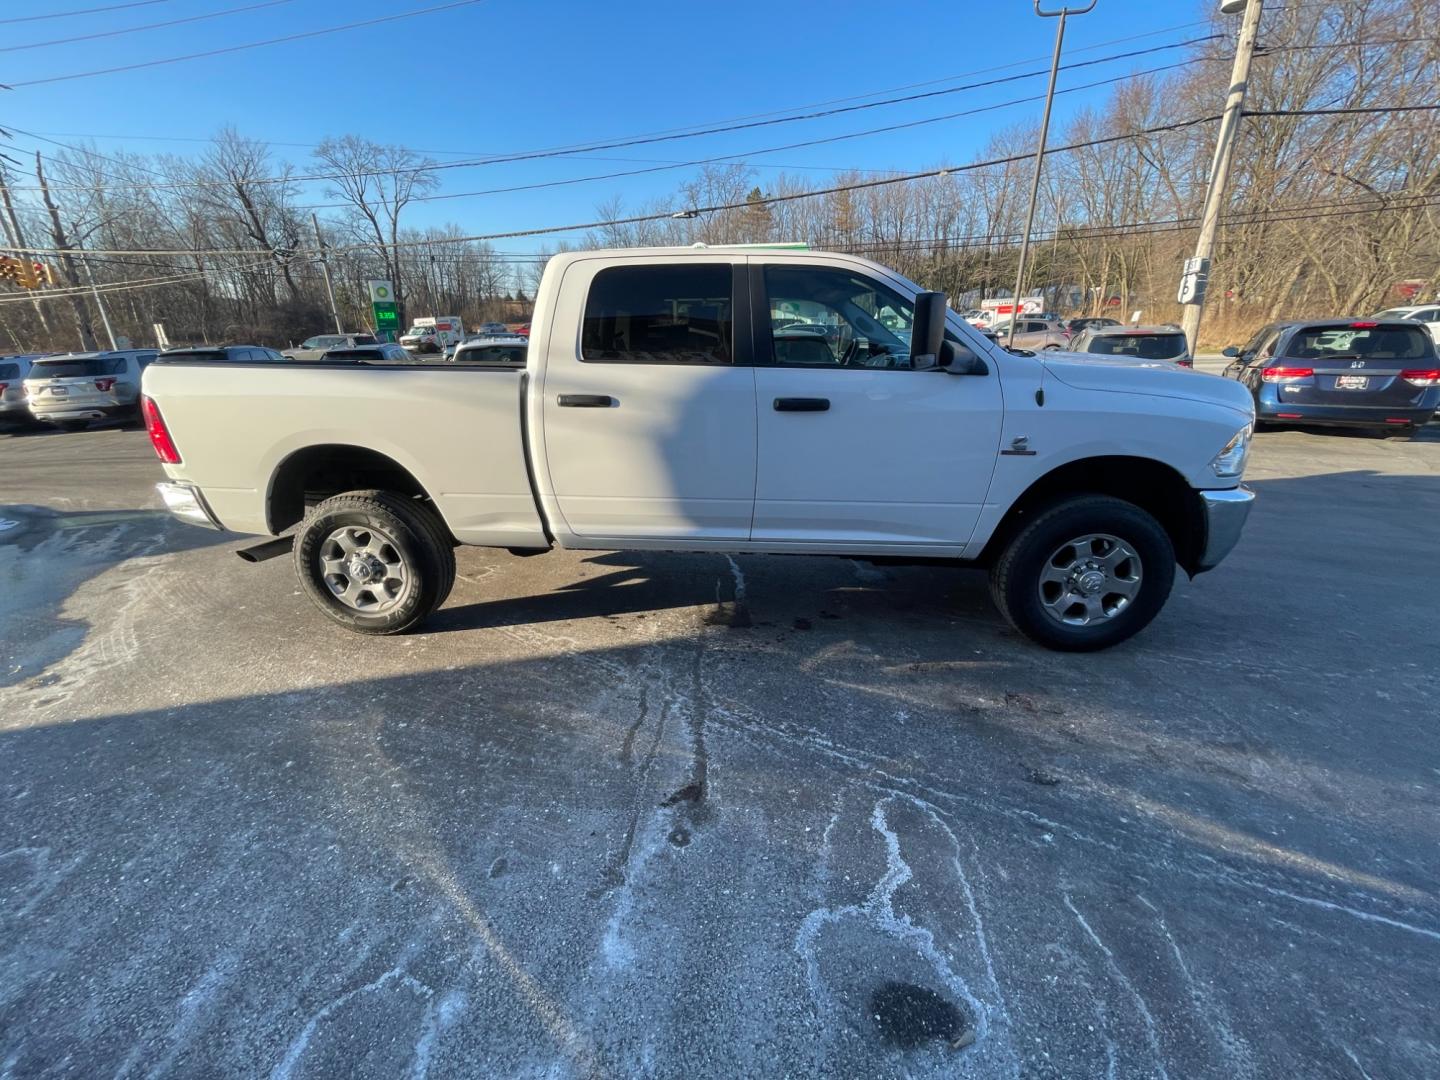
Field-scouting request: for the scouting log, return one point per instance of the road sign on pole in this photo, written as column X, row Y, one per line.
column 382, row 307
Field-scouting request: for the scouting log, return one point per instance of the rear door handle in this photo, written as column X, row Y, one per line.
column 802, row 404
column 586, row 401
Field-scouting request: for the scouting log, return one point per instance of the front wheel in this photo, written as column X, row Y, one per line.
column 1084, row 574
column 375, row 562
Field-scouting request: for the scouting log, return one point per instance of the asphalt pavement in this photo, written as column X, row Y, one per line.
column 687, row 815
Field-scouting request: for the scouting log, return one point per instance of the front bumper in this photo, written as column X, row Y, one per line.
column 1225, row 514
column 187, row 503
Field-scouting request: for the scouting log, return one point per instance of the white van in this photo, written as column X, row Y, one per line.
column 433, row 335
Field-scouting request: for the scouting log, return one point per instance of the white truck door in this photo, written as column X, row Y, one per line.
column 649, row 421
column 854, row 447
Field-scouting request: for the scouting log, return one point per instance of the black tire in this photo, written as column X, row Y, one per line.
column 420, row 539
column 1015, row 579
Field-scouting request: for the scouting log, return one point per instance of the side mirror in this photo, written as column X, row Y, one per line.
column 954, row 364
column 1230, row 351
column 927, row 333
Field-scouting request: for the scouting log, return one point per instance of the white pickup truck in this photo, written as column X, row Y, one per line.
column 705, row 399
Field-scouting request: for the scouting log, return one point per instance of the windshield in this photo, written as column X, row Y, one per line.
column 1395, row 313
column 77, row 368
column 1359, row 343
column 323, row 342
column 419, row 331
column 1140, row 346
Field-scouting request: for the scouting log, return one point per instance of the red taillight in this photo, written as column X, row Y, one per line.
column 1287, row 416
column 1185, row 361
column 159, row 435
column 104, row 384
column 1396, row 420
column 4, row 386
column 1285, row 374
column 1363, row 325
column 1422, row 376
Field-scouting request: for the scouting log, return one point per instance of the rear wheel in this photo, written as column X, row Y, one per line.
column 375, row 562
column 1085, row 574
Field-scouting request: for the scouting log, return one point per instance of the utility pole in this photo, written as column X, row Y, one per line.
column 1197, row 270
column 16, row 235
column 1064, row 13
column 67, row 260
column 325, row 272
column 104, row 315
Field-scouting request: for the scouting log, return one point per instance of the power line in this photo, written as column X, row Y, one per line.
column 1340, row 112
column 82, row 11
column 129, row 286
column 899, row 178
column 697, row 210
column 577, row 149
column 248, row 45
column 552, row 152
column 1136, row 228
column 137, row 29
column 722, row 160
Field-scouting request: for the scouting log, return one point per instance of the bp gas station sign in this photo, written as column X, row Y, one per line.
column 382, row 307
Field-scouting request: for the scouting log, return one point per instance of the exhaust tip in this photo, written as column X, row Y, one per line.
column 270, row 549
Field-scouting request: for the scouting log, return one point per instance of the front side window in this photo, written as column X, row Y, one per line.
column 826, row 317
column 677, row 314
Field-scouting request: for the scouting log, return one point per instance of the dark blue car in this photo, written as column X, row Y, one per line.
column 1352, row 372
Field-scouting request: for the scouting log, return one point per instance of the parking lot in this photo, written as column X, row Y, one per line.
column 685, row 815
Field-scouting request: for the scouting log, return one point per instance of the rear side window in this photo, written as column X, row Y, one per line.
column 1140, row 346
column 78, row 369
column 363, row 339
column 1359, row 343
column 9, row 371
column 679, row 314
column 492, row 355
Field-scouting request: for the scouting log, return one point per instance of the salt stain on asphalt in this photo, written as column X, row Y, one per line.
column 878, row 909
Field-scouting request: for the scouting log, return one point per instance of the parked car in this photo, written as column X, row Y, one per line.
column 315, row 347
column 385, row 352
column 1033, row 333
column 73, row 389
column 1076, row 325
column 226, row 354
column 1162, row 344
column 1367, row 372
column 657, row 414
column 13, row 370
column 507, row 351
column 1429, row 314
column 493, row 329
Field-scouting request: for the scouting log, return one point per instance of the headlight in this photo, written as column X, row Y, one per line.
column 1229, row 464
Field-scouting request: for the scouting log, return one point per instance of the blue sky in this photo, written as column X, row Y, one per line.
column 503, row 76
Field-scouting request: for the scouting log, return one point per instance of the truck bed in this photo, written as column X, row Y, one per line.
column 455, row 428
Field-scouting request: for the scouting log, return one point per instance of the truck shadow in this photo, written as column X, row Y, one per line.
column 778, row 591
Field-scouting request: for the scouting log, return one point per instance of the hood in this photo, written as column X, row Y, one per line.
column 1156, row 378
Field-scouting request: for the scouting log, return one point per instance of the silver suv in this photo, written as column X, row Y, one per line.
column 1160, row 343
column 72, row 389
column 315, row 348
column 13, row 370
